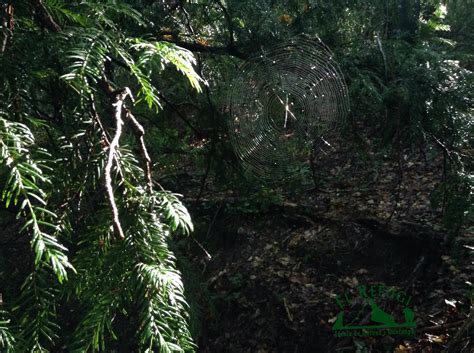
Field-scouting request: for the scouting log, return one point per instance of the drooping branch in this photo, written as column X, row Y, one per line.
column 104, row 134
column 200, row 48
column 118, row 99
column 198, row 133
column 138, row 129
column 44, row 17
column 229, row 49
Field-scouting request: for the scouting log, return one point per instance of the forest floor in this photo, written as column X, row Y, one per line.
column 279, row 270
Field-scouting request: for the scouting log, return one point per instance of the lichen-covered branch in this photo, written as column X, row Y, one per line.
column 119, row 97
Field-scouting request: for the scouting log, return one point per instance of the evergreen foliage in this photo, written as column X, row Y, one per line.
column 55, row 141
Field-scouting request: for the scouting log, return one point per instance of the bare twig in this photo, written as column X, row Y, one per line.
column 44, row 17
column 416, row 271
column 120, row 96
column 188, row 19
column 139, row 132
column 7, row 24
column 457, row 337
column 208, row 256
column 209, row 230
column 96, row 117
column 138, row 129
column 4, row 28
column 105, row 135
column 312, row 164
column 446, row 327
column 379, row 44
column 287, row 309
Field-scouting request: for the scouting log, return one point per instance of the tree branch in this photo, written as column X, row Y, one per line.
column 119, row 97
column 200, row 48
column 44, row 17
column 139, row 132
column 7, row 25
column 163, row 98
column 229, row 22
column 181, row 115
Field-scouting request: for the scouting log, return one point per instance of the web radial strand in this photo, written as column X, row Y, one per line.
column 281, row 102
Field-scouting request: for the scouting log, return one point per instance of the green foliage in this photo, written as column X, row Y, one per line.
column 93, row 49
column 37, row 312
column 169, row 53
column 54, row 142
column 7, row 341
column 259, row 201
column 175, row 213
column 23, row 187
column 145, row 285
column 454, row 197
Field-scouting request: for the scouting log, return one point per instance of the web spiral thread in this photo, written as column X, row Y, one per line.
column 281, row 102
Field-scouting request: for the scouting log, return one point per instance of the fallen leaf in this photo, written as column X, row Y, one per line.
column 351, row 282
column 451, row 302
column 284, row 260
column 332, row 320
column 436, row 339
column 402, row 349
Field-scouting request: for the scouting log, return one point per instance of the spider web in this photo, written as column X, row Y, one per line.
column 281, row 103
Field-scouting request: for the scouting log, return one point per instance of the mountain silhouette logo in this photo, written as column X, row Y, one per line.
column 378, row 322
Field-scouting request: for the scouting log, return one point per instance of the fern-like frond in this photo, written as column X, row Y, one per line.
column 147, row 91
column 160, row 293
column 37, row 308
column 60, row 10
column 175, row 213
column 169, row 53
column 7, row 340
column 91, row 332
column 86, row 58
column 105, row 12
column 23, row 188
